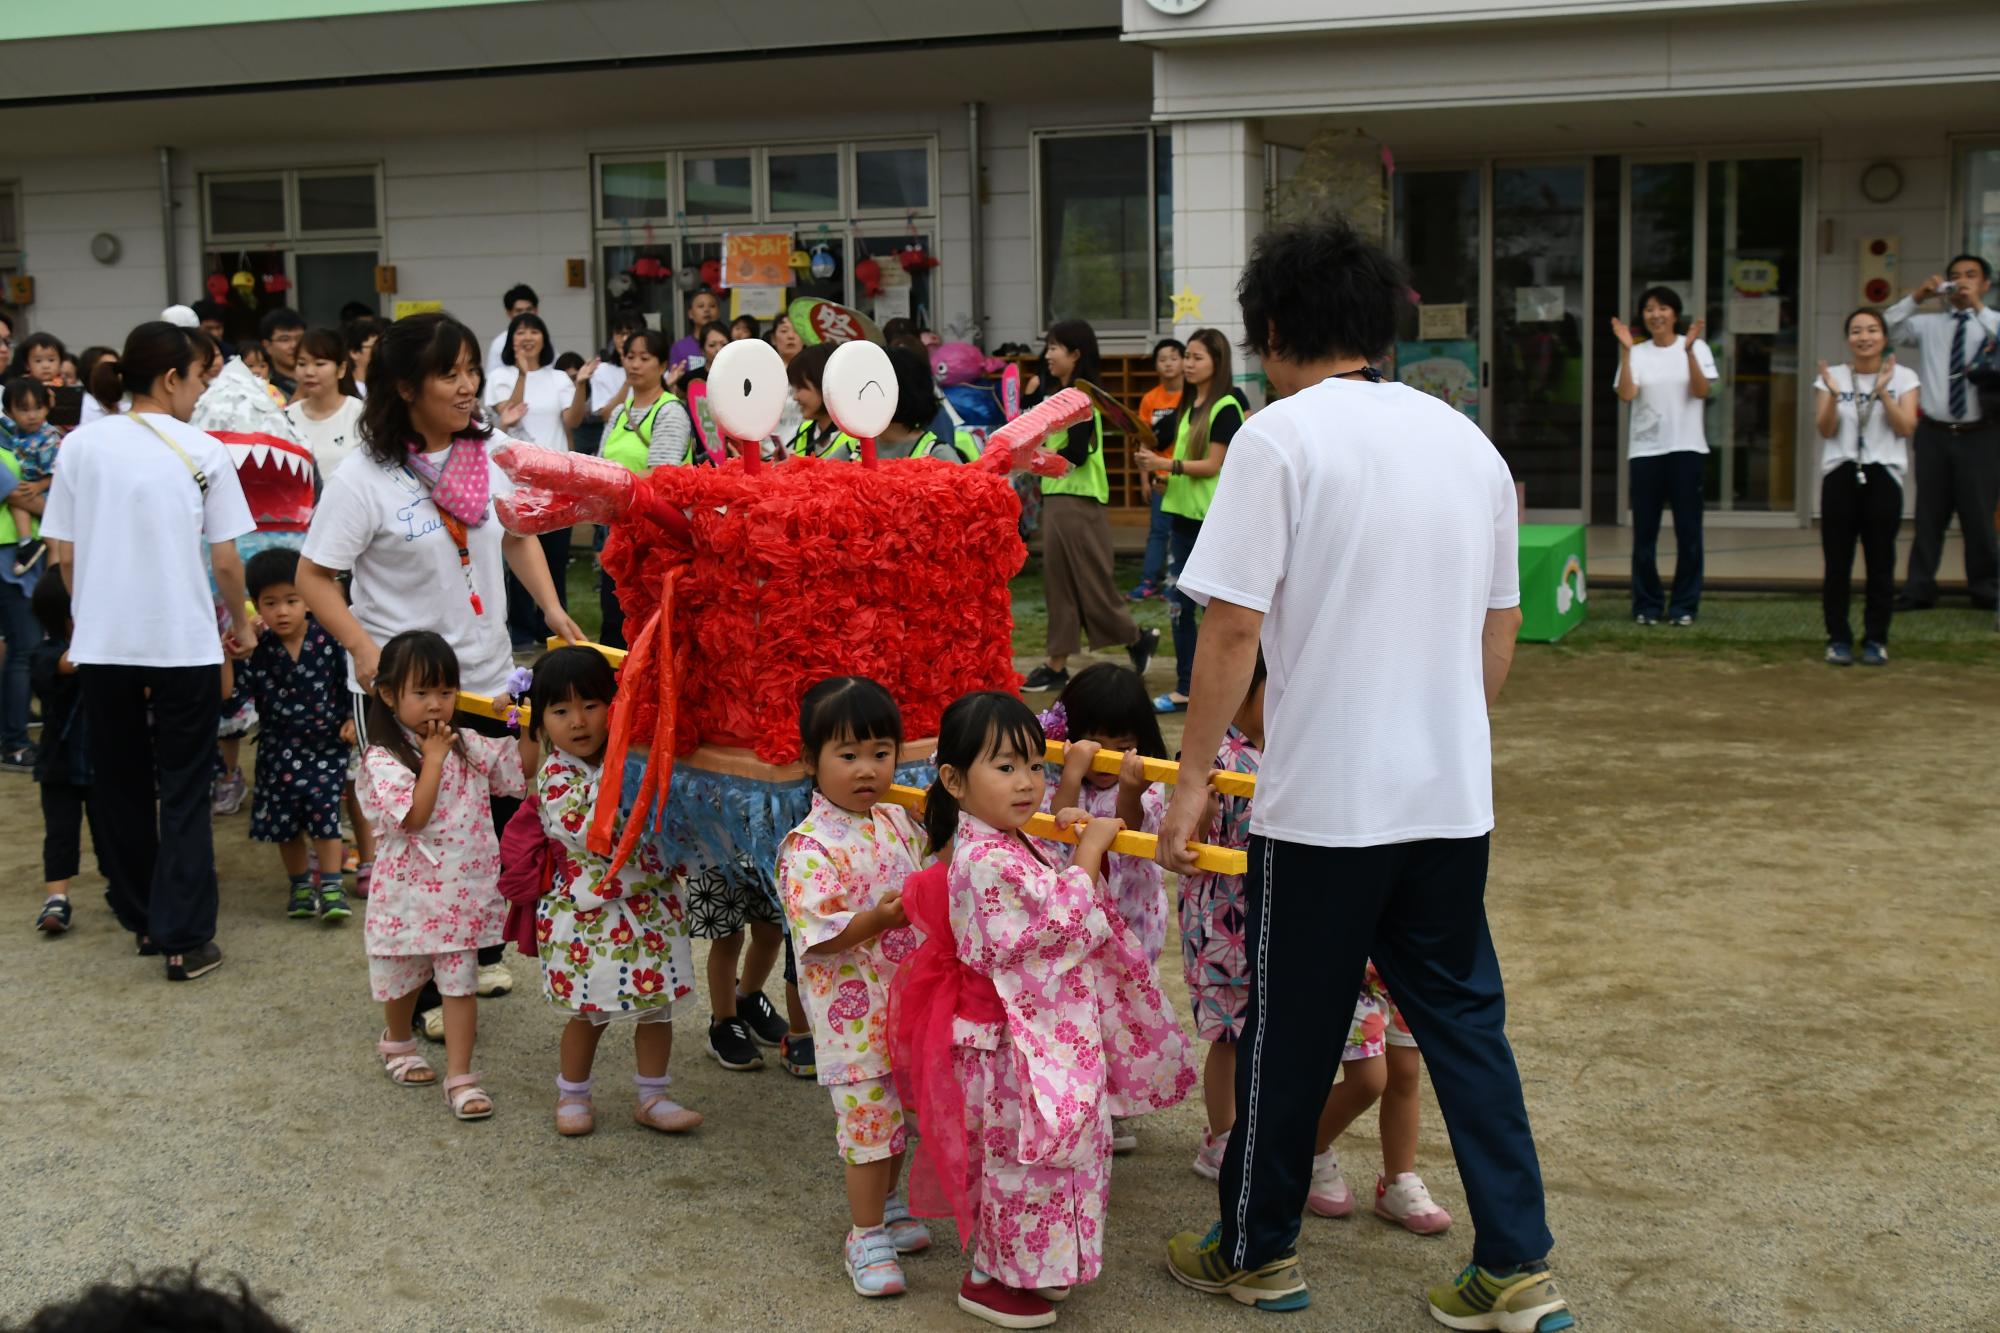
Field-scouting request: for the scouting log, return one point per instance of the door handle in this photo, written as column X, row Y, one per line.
column 1485, row 374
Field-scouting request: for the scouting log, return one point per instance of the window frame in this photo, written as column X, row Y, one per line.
column 1106, row 333
column 842, row 184
column 1958, row 224
column 856, row 212
column 292, row 234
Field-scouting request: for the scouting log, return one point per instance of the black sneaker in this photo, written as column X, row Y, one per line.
column 195, row 962
column 29, row 554
column 729, row 1042
column 21, row 760
column 1046, row 677
column 1141, row 649
column 766, row 1024
column 796, row 1054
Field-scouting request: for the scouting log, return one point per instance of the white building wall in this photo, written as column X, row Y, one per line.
column 465, row 217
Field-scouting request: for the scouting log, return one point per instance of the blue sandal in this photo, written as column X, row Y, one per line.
column 1166, row 703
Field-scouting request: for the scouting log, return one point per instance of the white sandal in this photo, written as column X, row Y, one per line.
column 402, row 1063
column 462, row 1088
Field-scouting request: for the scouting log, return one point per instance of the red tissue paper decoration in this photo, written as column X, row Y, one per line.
column 869, row 271
column 818, row 569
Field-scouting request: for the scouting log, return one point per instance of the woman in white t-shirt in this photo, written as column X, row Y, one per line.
column 1666, row 378
column 326, row 417
column 530, row 400
column 144, row 507
column 1866, row 410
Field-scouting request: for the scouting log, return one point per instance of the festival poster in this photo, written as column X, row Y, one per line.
column 1447, row 370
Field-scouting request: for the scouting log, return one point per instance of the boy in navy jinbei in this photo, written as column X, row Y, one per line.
column 298, row 677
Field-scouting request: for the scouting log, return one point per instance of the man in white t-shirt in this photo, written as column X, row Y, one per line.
column 520, row 299
column 1365, row 532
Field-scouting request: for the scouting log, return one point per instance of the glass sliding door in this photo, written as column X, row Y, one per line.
column 1726, row 233
column 1438, row 235
column 1540, row 229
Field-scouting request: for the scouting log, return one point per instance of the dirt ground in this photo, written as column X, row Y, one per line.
column 1747, row 916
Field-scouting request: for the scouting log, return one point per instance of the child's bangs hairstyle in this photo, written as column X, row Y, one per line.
column 808, row 368
column 1111, row 700
column 26, row 391
column 847, row 708
column 414, row 660
column 268, row 569
column 414, row 349
column 569, row 672
column 1316, row 291
column 1079, row 337
column 1666, row 296
column 976, row 727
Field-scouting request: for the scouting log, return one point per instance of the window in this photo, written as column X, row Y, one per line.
column 803, row 182
column 661, row 213
column 716, row 187
column 1104, row 227
column 308, row 239
column 892, row 179
column 10, row 215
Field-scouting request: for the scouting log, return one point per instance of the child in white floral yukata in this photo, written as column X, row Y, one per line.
column 840, row 874
column 427, row 790
column 614, row 947
column 1028, row 1017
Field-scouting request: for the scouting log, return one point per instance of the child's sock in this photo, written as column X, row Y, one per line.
column 651, row 1087
column 573, row 1089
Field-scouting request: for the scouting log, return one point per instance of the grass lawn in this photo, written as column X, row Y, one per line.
column 1766, row 627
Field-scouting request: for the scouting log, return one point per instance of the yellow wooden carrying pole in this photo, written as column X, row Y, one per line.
column 1162, row 770
column 1224, row 860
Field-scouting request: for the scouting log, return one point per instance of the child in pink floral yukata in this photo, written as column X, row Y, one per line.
column 1027, row 1018
column 427, row 790
column 840, row 874
column 1106, row 707
column 614, row 947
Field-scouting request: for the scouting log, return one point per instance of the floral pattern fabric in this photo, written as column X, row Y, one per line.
column 1087, row 1035
column 1213, row 958
column 869, row 1125
column 1378, row 1024
column 834, row 864
column 610, row 945
column 1138, row 886
column 436, row 890
column 301, row 760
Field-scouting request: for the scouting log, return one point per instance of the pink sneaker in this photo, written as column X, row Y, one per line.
column 1409, row 1205
column 1329, row 1196
column 1208, row 1157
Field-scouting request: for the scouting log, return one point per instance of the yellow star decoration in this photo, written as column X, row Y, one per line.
column 1187, row 305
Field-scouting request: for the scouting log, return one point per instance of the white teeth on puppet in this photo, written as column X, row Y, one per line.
column 259, row 454
column 238, row 453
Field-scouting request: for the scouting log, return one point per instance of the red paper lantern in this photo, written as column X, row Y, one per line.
column 870, row 273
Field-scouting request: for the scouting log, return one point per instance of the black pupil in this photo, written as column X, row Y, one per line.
column 746, row 388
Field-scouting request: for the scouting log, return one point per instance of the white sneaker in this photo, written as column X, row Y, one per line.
column 1208, row 1157
column 494, row 979
column 1329, row 1195
column 1409, row 1205
column 1123, row 1140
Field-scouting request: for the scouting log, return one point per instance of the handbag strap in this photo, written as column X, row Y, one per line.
column 200, row 477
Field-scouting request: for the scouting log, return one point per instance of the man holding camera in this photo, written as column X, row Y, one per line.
column 1957, row 447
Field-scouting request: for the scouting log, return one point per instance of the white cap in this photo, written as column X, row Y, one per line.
column 182, row 315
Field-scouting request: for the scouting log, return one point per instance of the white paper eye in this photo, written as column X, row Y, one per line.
column 859, row 386
column 747, row 389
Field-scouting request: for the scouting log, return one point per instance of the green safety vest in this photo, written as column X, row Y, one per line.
column 962, row 444
column 9, row 534
column 1089, row 480
column 1190, row 497
column 802, row 442
column 627, row 446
